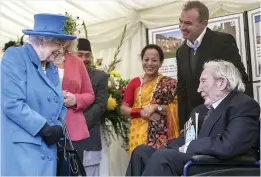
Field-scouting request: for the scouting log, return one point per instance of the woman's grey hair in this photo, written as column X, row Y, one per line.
column 34, row 39
column 71, row 48
column 224, row 69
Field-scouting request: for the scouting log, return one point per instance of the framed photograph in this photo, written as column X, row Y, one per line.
column 234, row 25
column 170, row 38
column 255, row 40
column 257, row 92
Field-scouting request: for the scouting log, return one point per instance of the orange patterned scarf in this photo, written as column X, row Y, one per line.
column 168, row 126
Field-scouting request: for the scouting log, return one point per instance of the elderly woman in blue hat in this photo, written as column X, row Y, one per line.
column 32, row 99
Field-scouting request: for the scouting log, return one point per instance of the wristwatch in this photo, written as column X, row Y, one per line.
column 159, row 108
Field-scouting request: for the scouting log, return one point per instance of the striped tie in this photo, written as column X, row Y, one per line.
column 210, row 111
column 195, row 46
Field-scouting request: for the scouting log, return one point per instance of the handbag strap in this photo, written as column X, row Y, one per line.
column 75, row 167
column 66, row 134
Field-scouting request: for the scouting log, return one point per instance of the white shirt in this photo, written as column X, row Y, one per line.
column 215, row 105
column 199, row 39
column 61, row 74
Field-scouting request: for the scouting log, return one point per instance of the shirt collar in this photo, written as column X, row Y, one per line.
column 215, row 105
column 199, row 39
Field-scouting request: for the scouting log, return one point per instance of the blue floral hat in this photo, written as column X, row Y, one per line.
column 52, row 25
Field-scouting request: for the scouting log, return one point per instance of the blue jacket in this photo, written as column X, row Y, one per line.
column 29, row 99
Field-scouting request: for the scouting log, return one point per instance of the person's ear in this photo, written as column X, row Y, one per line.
column 205, row 22
column 223, row 83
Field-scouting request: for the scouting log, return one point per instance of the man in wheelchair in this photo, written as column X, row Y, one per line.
column 225, row 128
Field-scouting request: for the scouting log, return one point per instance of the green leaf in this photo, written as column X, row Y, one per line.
column 70, row 25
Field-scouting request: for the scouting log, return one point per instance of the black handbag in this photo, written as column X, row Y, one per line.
column 68, row 161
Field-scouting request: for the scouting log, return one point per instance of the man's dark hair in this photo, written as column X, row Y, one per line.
column 20, row 42
column 201, row 8
column 84, row 44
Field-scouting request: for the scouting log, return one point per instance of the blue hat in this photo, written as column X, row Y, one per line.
column 50, row 25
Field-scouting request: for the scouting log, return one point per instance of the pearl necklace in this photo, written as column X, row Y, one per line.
column 59, row 60
column 141, row 85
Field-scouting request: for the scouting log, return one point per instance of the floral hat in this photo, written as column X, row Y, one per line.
column 53, row 25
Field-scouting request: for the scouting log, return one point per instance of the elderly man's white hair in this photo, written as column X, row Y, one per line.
column 224, row 69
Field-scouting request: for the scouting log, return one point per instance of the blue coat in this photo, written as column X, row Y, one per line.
column 30, row 98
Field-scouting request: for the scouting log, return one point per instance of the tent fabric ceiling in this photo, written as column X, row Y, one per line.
column 17, row 15
column 100, row 15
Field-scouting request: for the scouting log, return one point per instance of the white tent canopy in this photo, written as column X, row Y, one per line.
column 105, row 20
column 16, row 15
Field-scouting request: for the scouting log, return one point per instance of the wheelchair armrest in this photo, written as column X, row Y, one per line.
column 211, row 159
column 204, row 159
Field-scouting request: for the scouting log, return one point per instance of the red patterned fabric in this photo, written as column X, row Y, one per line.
column 130, row 91
column 135, row 112
column 159, row 131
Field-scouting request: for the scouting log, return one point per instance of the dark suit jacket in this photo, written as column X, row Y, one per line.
column 215, row 45
column 231, row 130
column 95, row 112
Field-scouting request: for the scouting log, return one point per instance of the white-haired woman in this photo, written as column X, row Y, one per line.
column 32, row 100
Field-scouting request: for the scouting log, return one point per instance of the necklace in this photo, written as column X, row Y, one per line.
column 141, row 85
column 59, row 60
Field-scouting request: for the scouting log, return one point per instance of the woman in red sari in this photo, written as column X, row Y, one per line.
column 151, row 103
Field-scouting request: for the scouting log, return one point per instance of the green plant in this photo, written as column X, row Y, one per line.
column 70, row 26
column 116, row 59
column 114, row 123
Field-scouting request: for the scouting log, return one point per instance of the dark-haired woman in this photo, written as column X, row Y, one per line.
column 149, row 100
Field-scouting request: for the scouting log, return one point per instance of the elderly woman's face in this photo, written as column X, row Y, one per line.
column 51, row 50
column 151, row 62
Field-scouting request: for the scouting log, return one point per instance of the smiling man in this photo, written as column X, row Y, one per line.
column 228, row 126
column 201, row 45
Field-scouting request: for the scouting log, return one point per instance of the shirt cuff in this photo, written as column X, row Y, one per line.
column 186, row 147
